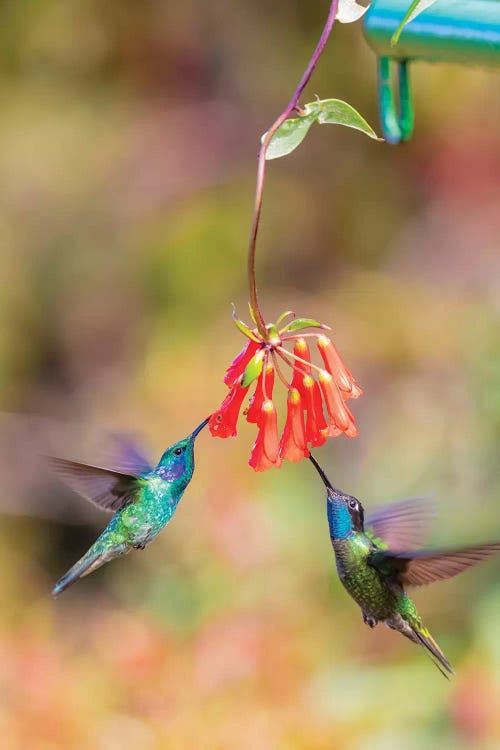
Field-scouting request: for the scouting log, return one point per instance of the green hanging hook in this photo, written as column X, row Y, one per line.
column 397, row 123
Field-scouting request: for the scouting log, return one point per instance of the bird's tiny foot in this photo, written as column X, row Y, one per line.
column 141, row 545
column 369, row 620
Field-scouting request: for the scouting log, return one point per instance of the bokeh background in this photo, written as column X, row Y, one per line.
column 128, row 140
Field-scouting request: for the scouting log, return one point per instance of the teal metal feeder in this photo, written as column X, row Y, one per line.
column 453, row 31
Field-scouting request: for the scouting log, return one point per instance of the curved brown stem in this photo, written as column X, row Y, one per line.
column 261, row 166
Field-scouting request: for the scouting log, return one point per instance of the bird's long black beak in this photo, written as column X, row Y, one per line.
column 323, row 475
column 199, row 428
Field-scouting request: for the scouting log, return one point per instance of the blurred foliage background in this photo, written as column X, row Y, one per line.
column 128, row 140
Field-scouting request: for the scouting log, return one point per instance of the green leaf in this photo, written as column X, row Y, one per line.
column 299, row 323
column 253, row 369
column 324, row 111
column 245, row 330
column 337, row 112
column 288, row 136
column 416, row 7
column 349, row 11
column 252, row 314
column 283, row 316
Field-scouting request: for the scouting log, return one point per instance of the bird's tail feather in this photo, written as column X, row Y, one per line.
column 88, row 563
column 92, row 560
column 433, row 651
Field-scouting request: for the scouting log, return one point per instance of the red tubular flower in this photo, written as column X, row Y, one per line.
column 332, row 431
column 340, row 416
column 313, row 392
column 223, row 422
column 352, row 431
column 300, row 369
column 263, row 391
column 316, row 421
column 293, row 440
column 265, row 452
column 239, row 363
column 334, row 365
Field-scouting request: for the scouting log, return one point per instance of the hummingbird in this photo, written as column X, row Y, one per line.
column 143, row 499
column 378, row 558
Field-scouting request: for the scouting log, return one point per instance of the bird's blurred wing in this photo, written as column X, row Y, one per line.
column 109, row 490
column 400, row 526
column 426, row 566
column 127, row 457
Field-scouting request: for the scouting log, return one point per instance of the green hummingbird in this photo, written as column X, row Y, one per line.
column 144, row 499
column 377, row 559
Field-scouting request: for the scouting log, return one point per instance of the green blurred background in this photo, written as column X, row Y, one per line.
column 128, row 140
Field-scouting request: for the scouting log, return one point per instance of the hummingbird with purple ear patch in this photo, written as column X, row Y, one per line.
column 379, row 557
column 143, row 499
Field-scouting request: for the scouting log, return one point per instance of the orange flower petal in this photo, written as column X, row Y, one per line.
column 301, row 350
column 315, row 421
column 335, row 366
column 223, row 422
column 335, row 405
column 352, row 431
column 356, row 391
column 293, row 440
column 265, row 452
column 255, row 407
column 270, row 429
column 258, row 459
column 331, row 431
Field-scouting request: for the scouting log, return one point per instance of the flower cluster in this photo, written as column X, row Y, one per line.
column 316, row 402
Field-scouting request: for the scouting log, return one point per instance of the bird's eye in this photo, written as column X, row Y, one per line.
column 179, row 451
column 353, row 504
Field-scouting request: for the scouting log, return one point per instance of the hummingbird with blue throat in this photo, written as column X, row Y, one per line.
column 379, row 557
column 143, row 499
